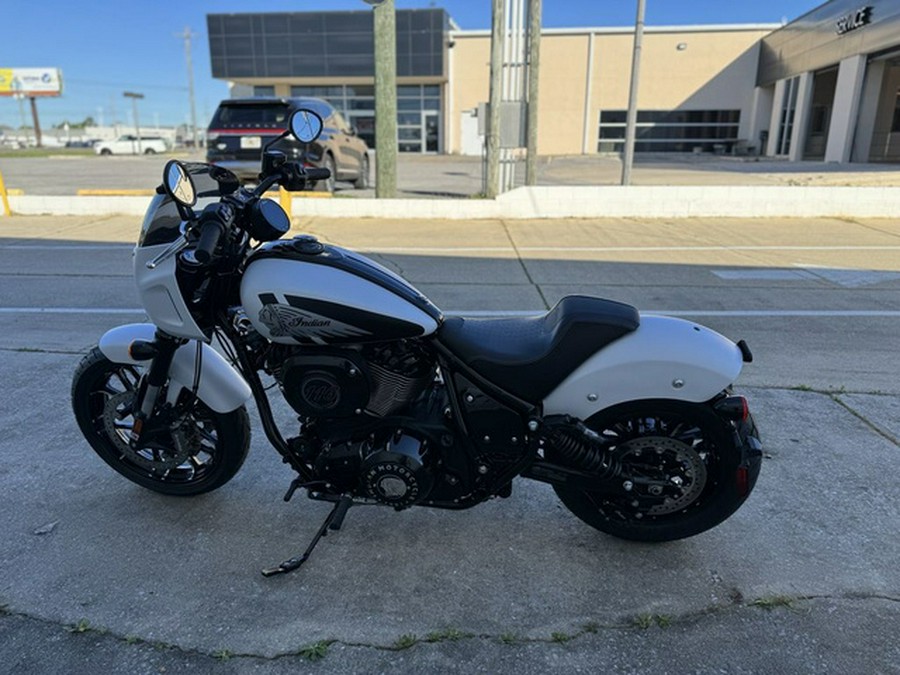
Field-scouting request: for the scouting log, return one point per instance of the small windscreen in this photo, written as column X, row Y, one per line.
column 162, row 222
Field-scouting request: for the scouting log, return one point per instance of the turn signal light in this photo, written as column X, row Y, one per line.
column 141, row 350
column 733, row 408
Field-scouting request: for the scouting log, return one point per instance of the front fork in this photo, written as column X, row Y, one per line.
column 160, row 353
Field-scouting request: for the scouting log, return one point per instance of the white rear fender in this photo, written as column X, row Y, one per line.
column 221, row 387
column 664, row 358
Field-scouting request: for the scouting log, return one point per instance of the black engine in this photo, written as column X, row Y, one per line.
column 336, row 383
column 373, row 423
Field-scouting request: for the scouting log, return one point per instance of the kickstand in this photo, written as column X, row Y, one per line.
column 333, row 521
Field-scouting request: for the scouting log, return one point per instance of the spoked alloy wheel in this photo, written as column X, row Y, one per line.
column 679, row 464
column 198, row 451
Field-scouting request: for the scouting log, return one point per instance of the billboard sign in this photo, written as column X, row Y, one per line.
column 30, row 81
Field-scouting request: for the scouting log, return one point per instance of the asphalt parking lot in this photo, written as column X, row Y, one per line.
column 98, row 575
column 455, row 176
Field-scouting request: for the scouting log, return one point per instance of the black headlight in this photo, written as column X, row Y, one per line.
column 268, row 221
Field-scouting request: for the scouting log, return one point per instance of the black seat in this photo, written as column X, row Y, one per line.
column 530, row 356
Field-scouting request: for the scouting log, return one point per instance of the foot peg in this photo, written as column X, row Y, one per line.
column 333, row 521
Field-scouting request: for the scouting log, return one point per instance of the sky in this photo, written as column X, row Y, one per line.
column 106, row 48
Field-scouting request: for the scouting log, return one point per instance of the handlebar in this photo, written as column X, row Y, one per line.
column 317, row 174
column 214, row 222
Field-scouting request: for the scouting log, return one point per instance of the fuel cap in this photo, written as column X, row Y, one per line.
column 307, row 244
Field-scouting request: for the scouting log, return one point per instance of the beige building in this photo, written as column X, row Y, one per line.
column 695, row 88
column 824, row 86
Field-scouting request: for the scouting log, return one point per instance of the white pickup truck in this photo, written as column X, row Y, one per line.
column 128, row 145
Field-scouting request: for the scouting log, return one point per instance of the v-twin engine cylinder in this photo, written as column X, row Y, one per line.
column 334, row 383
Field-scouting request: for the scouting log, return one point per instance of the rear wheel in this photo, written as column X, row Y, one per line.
column 681, row 462
column 199, row 451
column 105, row 151
column 149, row 151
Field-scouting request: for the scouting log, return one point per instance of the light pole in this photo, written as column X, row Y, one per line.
column 187, row 35
column 385, row 97
column 134, row 96
column 631, row 118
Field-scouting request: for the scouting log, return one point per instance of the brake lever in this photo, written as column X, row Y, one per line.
column 175, row 247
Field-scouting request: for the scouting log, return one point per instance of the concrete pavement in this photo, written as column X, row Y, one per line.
column 807, row 568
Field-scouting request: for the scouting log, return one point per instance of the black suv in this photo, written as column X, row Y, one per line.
column 241, row 127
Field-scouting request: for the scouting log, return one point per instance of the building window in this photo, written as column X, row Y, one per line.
column 786, row 119
column 418, row 112
column 671, row 130
column 895, row 123
column 264, row 90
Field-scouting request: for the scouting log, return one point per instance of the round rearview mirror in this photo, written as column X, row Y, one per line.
column 178, row 183
column 306, row 125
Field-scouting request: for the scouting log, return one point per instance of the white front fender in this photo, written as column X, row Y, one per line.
column 664, row 358
column 221, row 387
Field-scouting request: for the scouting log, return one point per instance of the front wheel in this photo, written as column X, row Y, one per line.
column 682, row 467
column 362, row 182
column 199, row 451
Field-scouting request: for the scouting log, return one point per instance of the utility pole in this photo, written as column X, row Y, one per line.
column 187, row 35
column 534, row 56
column 385, row 26
column 134, row 96
column 631, row 119
column 498, row 30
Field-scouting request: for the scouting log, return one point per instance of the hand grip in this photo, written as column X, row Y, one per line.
column 209, row 239
column 317, row 174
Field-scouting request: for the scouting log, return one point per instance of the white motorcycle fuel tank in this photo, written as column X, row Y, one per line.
column 300, row 291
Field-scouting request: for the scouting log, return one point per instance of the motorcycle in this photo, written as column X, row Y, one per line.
column 631, row 418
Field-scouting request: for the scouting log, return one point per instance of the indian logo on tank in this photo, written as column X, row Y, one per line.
column 304, row 325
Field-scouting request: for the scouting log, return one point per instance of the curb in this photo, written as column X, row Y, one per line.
column 650, row 201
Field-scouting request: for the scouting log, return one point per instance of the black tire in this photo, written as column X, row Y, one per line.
column 694, row 433
column 213, row 445
column 362, row 182
column 149, row 151
column 106, row 152
column 328, row 184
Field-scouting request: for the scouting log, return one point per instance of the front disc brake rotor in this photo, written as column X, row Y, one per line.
column 660, row 458
column 156, row 458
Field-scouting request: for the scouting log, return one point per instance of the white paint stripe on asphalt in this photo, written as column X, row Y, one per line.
column 763, row 313
column 613, row 249
column 68, row 310
column 68, row 247
column 499, row 249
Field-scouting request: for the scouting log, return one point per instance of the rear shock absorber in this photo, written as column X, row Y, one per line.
column 581, row 447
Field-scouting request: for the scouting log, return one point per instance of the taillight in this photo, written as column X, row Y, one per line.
column 742, row 481
column 733, row 408
column 210, row 138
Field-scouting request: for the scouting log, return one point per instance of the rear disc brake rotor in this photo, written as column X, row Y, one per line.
column 156, row 458
column 661, row 458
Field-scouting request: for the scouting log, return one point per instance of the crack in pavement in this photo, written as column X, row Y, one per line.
column 633, row 623
column 521, row 261
column 884, row 433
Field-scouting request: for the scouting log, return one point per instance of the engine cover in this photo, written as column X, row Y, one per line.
column 324, row 385
column 399, row 474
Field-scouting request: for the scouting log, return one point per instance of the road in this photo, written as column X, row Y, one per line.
column 454, row 176
column 807, row 567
